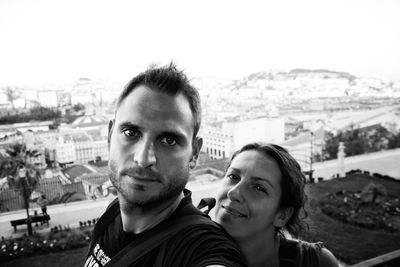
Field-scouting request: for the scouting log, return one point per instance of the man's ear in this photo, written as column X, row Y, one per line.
column 110, row 130
column 197, row 144
column 282, row 217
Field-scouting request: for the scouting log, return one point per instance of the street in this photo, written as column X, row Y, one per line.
column 71, row 213
column 384, row 162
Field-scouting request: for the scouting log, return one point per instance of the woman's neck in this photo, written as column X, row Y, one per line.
column 261, row 250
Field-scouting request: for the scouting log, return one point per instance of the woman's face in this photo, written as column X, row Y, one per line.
column 248, row 199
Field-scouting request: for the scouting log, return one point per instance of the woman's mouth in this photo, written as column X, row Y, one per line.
column 233, row 211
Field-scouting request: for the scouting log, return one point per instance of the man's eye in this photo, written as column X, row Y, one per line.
column 169, row 141
column 131, row 133
column 233, row 177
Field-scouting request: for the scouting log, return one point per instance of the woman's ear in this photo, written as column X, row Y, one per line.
column 282, row 217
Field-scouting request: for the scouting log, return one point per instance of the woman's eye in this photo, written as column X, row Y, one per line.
column 169, row 141
column 131, row 133
column 260, row 188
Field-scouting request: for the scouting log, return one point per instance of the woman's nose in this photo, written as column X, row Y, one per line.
column 235, row 194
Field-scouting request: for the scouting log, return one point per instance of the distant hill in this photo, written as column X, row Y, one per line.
column 313, row 82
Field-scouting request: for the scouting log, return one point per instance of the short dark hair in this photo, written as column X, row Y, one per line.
column 167, row 79
column 292, row 183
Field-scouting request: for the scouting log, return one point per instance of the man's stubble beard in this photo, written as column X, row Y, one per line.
column 169, row 191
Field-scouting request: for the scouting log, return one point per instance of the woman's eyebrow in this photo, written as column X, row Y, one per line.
column 264, row 180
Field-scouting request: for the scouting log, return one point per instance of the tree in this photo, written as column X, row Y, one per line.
column 43, row 113
column 78, row 107
column 18, row 156
column 394, row 141
column 330, row 149
column 359, row 141
column 12, row 95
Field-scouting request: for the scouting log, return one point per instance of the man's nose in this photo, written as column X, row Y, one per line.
column 144, row 154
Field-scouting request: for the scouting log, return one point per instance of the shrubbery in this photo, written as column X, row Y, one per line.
column 362, row 209
column 56, row 240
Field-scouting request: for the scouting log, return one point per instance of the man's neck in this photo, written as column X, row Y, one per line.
column 136, row 219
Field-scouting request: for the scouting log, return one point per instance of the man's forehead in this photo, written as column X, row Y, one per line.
column 153, row 114
column 152, row 104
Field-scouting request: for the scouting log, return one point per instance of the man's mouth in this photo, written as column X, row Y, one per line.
column 143, row 179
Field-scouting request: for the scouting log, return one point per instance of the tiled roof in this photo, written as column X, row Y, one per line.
column 80, row 137
column 76, row 171
column 95, row 134
column 95, row 178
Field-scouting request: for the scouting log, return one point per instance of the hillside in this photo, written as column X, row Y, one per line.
column 350, row 243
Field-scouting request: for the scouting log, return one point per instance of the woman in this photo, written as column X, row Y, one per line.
column 260, row 199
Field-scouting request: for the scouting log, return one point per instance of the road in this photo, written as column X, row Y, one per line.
column 384, row 162
column 71, row 213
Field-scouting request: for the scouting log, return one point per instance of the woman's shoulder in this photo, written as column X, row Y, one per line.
column 326, row 257
column 308, row 253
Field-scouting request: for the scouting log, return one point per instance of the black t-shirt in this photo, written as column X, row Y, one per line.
column 200, row 245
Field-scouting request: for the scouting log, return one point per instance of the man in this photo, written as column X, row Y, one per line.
column 43, row 202
column 152, row 144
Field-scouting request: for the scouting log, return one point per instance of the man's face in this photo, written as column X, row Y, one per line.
column 151, row 145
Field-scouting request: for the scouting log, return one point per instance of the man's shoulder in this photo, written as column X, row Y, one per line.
column 204, row 244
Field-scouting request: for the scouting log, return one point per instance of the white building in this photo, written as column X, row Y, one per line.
column 99, row 143
column 216, row 143
column 266, row 130
column 64, row 151
column 221, row 143
column 83, row 147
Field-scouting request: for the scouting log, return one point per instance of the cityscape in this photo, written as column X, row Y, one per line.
column 319, row 78
column 300, row 109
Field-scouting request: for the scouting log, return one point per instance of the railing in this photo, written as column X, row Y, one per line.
column 388, row 259
column 12, row 198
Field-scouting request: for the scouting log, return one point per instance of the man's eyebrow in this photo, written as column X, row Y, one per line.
column 234, row 169
column 174, row 134
column 127, row 124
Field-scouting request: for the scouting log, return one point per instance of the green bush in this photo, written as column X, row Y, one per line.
column 354, row 208
column 43, row 243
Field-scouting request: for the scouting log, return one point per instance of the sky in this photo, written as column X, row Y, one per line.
column 54, row 41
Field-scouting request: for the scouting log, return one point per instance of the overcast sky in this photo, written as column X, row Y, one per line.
column 60, row 41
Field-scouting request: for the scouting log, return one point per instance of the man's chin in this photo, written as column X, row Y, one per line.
column 148, row 202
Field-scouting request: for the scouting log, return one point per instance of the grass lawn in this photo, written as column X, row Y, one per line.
column 349, row 243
